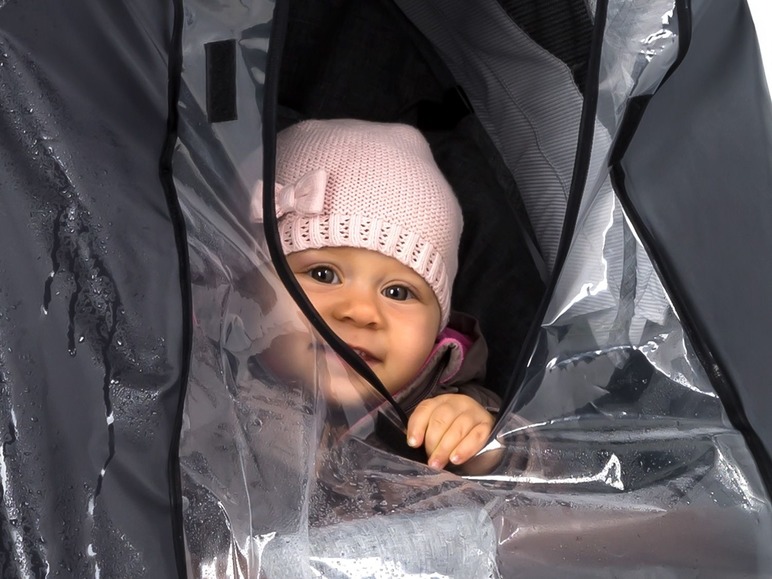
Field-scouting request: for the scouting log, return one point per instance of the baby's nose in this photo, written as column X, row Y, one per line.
column 360, row 308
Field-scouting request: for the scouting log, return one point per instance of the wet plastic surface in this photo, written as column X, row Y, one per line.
column 90, row 313
column 615, row 458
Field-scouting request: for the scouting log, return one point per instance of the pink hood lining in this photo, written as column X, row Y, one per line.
column 458, row 344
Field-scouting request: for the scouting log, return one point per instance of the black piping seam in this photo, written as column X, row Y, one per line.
column 270, row 105
column 726, row 392
column 578, row 182
column 166, row 176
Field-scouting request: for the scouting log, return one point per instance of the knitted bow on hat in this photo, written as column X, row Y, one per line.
column 305, row 196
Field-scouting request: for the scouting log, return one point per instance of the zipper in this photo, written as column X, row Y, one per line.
column 270, row 107
column 166, row 176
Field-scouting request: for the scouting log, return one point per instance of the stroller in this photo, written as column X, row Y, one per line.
column 613, row 160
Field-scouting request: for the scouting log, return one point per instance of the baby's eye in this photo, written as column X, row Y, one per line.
column 323, row 274
column 398, row 292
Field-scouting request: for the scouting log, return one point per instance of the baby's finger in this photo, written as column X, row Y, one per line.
column 419, row 421
column 447, row 439
column 443, row 417
column 470, row 444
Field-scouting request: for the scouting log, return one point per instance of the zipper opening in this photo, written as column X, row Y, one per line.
column 166, row 176
column 270, row 109
column 578, row 181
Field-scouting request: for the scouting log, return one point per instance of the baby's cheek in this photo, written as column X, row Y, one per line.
column 414, row 354
column 427, row 341
column 289, row 357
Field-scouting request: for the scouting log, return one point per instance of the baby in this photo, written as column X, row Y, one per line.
column 371, row 228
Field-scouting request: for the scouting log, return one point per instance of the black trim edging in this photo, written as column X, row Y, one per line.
column 166, row 175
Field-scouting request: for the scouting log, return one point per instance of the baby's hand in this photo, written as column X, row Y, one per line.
column 451, row 427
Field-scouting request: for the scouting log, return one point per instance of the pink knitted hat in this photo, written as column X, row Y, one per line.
column 350, row 183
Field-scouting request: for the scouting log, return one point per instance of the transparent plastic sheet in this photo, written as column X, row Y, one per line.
column 633, row 438
column 617, row 459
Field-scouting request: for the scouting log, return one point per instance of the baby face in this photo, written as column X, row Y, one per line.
column 381, row 308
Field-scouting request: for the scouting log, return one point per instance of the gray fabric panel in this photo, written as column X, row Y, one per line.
column 592, row 274
column 525, row 98
column 528, row 103
column 91, row 311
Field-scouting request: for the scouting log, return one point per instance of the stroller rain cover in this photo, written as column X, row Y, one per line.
column 613, row 160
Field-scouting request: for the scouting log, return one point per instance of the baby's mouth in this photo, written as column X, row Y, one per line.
column 366, row 355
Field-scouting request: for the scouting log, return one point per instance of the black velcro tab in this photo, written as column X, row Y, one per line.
column 221, row 81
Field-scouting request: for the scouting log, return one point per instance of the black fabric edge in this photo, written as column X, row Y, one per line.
column 578, row 182
column 270, row 108
column 725, row 390
column 166, row 176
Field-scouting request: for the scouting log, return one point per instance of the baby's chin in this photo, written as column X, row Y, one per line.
column 342, row 385
column 316, row 365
